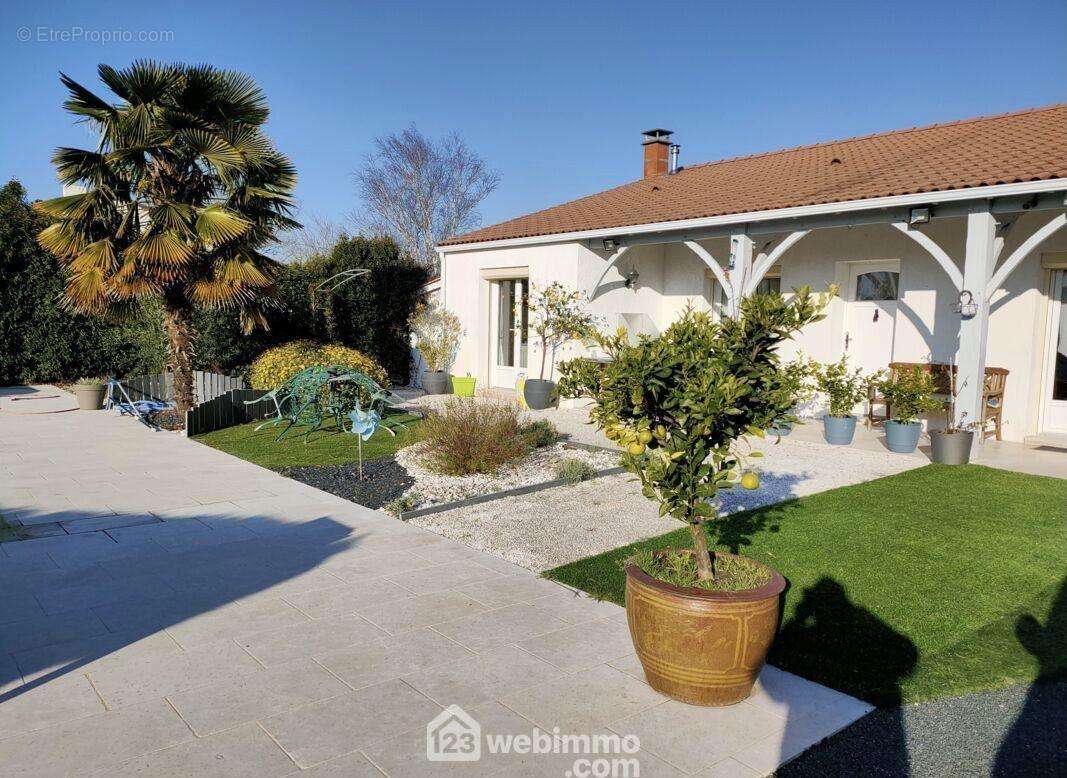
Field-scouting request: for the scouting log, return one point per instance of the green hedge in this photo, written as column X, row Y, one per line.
column 42, row 342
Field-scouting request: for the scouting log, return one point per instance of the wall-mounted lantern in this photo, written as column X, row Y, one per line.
column 966, row 306
column 918, row 216
column 630, row 279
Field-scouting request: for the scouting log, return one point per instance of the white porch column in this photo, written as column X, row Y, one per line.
column 740, row 270
column 979, row 257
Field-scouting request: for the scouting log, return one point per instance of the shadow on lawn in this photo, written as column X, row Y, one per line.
column 101, row 596
column 1037, row 740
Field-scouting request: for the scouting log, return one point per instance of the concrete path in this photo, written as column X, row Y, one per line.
column 191, row 613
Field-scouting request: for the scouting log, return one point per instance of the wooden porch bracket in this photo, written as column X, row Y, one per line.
column 1024, row 250
column 612, row 261
column 765, row 262
column 935, row 251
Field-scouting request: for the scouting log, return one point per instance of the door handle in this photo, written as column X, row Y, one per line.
column 847, row 338
column 875, row 315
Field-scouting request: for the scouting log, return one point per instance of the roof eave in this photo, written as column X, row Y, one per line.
column 797, row 212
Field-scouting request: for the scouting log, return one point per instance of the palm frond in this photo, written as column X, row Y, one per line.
column 83, row 102
column 218, row 224
column 159, row 248
column 61, row 239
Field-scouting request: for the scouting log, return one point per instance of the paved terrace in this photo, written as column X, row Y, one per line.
column 192, row 613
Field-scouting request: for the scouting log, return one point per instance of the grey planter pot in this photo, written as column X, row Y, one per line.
column 902, row 437
column 839, row 430
column 436, row 382
column 539, row 393
column 90, row 396
column 951, row 448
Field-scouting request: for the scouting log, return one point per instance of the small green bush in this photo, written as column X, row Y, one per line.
column 540, row 433
column 574, row 470
column 679, row 568
column 397, row 507
column 468, row 437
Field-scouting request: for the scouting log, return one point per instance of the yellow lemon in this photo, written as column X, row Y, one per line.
column 644, row 436
column 750, row 481
column 636, row 449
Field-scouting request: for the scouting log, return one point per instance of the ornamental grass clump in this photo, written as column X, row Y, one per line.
column 910, row 393
column 682, row 402
column 467, row 437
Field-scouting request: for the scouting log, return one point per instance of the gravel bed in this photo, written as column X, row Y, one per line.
column 555, row 526
column 430, row 488
column 384, row 480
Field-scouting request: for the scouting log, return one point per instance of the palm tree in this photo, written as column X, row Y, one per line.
column 181, row 196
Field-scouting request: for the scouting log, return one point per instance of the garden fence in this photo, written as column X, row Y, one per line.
column 207, row 386
column 228, row 410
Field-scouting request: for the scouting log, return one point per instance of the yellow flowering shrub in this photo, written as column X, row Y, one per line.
column 277, row 365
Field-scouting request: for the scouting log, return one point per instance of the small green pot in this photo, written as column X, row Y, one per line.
column 463, row 386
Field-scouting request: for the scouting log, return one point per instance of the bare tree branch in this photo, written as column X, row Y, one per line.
column 421, row 191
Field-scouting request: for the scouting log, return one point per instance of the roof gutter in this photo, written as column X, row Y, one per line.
column 799, row 212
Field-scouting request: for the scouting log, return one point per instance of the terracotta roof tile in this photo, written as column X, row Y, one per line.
column 1024, row 146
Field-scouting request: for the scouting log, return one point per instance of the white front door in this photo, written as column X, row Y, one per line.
column 509, row 313
column 1054, row 392
column 870, row 321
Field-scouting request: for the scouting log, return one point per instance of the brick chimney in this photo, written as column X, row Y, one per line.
column 657, row 145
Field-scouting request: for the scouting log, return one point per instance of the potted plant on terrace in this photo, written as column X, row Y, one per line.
column 90, row 393
column 910, row 393
column 437, row 333
column 844, row 389
column 556, row 317
column 952, row 445
column 797, row 379
column 681, row 403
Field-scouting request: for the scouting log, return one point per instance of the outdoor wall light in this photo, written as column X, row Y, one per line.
column 966, row 306
column 610, row 244
column 919, row 216
column 631, row 278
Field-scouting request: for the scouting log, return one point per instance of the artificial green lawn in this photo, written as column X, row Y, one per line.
column 327, row 446
column 935, row 582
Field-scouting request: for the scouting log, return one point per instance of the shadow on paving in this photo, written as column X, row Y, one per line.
column 101, row 596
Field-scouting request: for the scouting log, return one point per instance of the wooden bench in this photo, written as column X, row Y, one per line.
column 992, row 398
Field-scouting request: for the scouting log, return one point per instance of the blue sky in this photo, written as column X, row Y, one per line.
column 554, row 95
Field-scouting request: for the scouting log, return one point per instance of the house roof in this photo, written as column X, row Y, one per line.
column 1010, row 148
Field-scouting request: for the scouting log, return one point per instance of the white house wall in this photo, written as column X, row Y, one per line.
column 671, row 276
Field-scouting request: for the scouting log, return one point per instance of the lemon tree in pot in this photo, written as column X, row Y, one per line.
column 437, row 334
column 844, row 389
column 797, row 378
column 682, row 404
column 556, row 317
column 910, row 393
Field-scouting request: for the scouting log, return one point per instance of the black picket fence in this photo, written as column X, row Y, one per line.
column 160, row 387
column 228, row 410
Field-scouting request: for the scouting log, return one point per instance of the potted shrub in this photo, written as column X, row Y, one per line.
column 952, row 445
column 797, row 379
column 844, row 389
column 90, row 393
column 681, row 403
column 437, row 333
column 556, row 317
column 910, row 393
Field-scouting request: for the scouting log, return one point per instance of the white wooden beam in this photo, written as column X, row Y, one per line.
column 766, row 261
column 1024, row 250
column 935, row 251
column 714, row 267
column 974, row 330
column 612, row 261
column 741, row 248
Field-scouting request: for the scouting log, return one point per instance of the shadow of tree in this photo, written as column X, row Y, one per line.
column 1037, row 741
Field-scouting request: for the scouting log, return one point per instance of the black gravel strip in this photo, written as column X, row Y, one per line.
column 1021, row 731
column 383, row 480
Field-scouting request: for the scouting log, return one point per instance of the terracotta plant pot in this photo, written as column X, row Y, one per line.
column 90, row 396
column 698, row 646
column 436, row 382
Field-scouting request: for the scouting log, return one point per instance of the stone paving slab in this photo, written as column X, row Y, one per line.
column 257, row 626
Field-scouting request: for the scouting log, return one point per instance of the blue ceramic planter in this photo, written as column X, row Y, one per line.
column 839, row 430
column 902, row 437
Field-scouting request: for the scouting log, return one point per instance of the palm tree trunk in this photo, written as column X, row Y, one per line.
column 705, row 562
column 178, row 325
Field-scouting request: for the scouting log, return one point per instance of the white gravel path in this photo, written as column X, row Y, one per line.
column 555, row 526
column 539, row 466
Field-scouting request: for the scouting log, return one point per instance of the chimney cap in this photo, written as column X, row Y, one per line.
column 657, row 135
